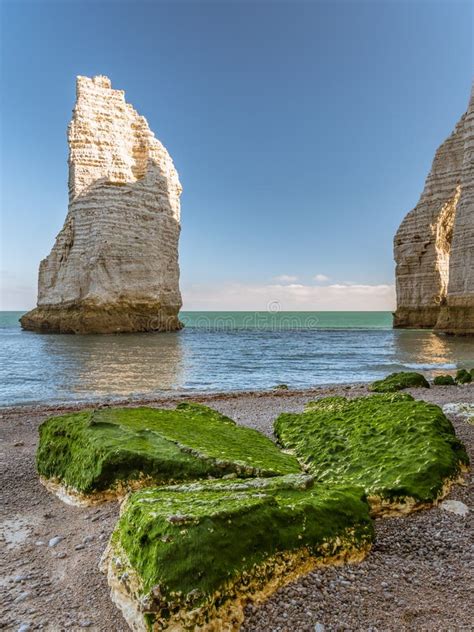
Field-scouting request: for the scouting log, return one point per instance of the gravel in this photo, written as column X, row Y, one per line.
column 418, row 575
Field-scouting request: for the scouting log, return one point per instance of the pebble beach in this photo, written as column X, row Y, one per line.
column 418, row 575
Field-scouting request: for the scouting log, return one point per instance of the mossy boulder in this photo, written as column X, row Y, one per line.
column 97, row 454
column 444, row 380
column 403, row 452
column 399, row 381
column 183, row 556
column 463, row 377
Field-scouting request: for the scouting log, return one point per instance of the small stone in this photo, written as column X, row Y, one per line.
column 319, row 627
column 24, row 627
column 456, row 507
column 40, row 543
column 22, row 596
column 61, row 555
column 55, row 541
column 79, row 547
column 21, row 578
column 85, row 624
column 17, row 444
column 88, row 538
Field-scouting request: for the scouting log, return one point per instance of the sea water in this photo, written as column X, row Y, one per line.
column 218, row 351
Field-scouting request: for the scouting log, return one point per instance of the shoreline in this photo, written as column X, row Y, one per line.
column 172, row 396
column 414, row 578
column 321, row 390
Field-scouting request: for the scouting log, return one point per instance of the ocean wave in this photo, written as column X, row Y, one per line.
column 429, row 367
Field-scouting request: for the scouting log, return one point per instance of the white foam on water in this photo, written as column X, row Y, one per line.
column 431, row 367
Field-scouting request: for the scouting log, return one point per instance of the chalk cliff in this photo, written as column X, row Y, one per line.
column 114, row 265
column 434, row 246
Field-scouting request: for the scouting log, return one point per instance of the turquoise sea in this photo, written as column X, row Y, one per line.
column 218, row 351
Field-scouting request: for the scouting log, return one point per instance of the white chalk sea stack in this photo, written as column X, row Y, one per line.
column 114, row 265
column 434, row 246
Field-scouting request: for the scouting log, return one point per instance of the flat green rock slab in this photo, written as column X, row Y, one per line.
column 189, row 554
column 93, row 451
column 397, row 449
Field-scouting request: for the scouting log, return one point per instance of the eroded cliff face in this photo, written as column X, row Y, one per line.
column 434, row 246
column 114, row 266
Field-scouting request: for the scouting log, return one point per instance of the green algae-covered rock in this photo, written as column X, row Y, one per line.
column 101, row 453
column 183, row 556
column 444, row 380
column 463, row 377
column 399, row 381
column 403, row 452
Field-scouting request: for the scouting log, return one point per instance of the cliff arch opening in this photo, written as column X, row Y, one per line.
column 443, row 231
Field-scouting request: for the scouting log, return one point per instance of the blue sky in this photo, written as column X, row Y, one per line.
column 302, row 133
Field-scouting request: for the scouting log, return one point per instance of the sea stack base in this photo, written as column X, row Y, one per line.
column 416, row 318
column 102, row 319
column 457, row 319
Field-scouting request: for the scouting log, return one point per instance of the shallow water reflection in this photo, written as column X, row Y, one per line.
column 114, row 365
column 424, row 348
column 59, row 368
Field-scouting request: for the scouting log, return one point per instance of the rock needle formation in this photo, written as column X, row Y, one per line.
column 114, row 266
column 434, row 246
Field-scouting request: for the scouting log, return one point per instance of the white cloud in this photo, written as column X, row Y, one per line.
column 286, row 278
column 285, row 295
column 320, row 278
column 295, row 296
column 16, row 294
